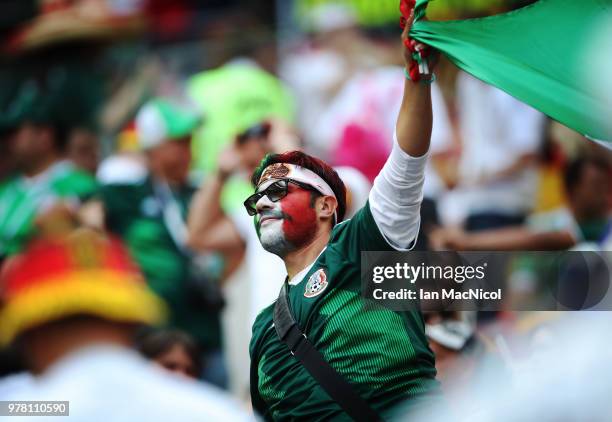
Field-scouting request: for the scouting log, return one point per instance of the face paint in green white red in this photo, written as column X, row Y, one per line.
column 288, row 224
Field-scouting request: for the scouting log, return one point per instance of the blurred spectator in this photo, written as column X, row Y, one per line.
column 14, row 383
column 362, row 147
column 83, row 149
column 587, row 184
column 6, row 164
column 150, row 217
column 7, row 125
column 173, row 350
column 334, row 51
column 233, row 98
column 501, row 142
column 369, row 102
column 560, row 373
column 73, row 303
column 37, row 136
column 213, row 228
column 585, row 219
column 127, row 165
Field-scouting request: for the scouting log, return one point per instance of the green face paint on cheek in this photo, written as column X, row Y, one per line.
column 256, row 219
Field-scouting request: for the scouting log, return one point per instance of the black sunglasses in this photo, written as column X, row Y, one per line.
column 258, row 131
column 275, row 192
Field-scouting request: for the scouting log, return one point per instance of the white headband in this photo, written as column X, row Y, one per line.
column 279, row 171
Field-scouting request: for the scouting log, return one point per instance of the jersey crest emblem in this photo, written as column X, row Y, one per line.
column 316, row 284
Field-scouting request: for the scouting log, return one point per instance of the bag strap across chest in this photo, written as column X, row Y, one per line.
column 304, row 351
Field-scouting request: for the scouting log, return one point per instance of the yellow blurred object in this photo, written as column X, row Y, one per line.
column 127, row 140
column 551, row 193
column 370, row 13
column 81, row 273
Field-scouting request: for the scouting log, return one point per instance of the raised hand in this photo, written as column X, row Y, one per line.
column 420, row 59
column 230, row 160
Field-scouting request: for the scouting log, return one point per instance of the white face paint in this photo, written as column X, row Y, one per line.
column 270, row 226
column 287, row 224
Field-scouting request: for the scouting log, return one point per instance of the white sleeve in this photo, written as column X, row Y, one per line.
column 395, row 198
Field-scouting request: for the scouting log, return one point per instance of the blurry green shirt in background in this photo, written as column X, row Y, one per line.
column 22, row 199
column 134, row 213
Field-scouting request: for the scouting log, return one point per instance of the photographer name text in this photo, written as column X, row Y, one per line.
column 443, row 294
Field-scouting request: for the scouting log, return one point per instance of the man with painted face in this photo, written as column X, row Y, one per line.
column 298, row 205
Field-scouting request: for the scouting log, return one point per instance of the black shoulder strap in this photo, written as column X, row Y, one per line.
column 332, row 382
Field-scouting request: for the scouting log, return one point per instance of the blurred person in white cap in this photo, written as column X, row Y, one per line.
column 164, row 130
column 150, row 216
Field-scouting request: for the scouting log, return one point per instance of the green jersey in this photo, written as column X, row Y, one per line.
column 135, row 214
column 22, row 199
column 384, row 354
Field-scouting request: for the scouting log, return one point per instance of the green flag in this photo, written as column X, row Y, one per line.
column 537, row 54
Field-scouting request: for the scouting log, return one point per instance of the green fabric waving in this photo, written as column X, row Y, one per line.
column 536, row 54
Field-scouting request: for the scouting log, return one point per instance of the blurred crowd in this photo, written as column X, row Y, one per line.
column 128, row 134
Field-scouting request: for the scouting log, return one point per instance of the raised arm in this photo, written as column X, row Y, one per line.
column 517, row 238
column 415, row 119
column 205, row 210
column 395, row 199
column 208, row 228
